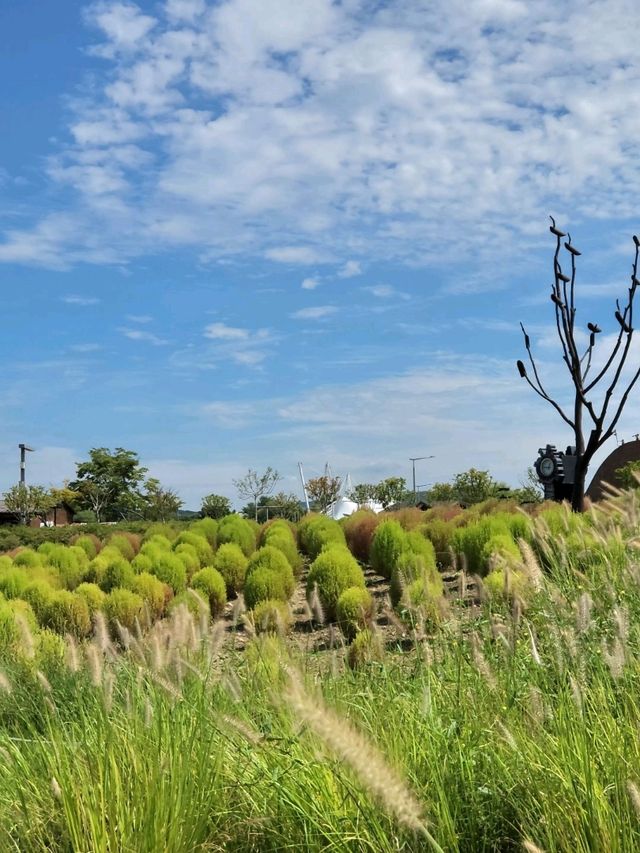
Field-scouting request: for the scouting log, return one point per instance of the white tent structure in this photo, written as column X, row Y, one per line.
column 343, row 506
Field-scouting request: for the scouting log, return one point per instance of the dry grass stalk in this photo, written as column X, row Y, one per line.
column 43, row 681
column 634, row 796
column 614, row 657
column 378, row 777
column 534, row 649
column 95, row 660
column 27, row 643
column 531, row 566
column 530, row 847
column 72, row 658
column 56, row 790
column 5, row 684
column 316, row 606
column 584, row 607
column 481, row 663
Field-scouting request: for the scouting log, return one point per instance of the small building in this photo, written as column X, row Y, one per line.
column 59, row 516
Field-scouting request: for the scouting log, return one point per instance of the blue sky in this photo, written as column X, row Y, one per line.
column 242, row 234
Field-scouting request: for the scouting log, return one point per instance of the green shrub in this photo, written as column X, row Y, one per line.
column 274, row 560
column 281, row 537
column 202, row 547
column 333, row 571
column 271, row 617
column 469, row 541
column 141, row 563
column 160, row 530
column 124, row 545
column 264, row 584
column 124, row 607
column 424, row 597
column 409, row 568
column 170, row 569
column 90, row 545
column 5, row 562
column 422, row 547
column 38, row 595
column 51, row 651
column 358, row 530
column 237, row 530
column 68, row 613
column 189, row 556
column 440, row 532
column 231, row 562
column 315, row 532
column 13, row 581
column 211, row 584
column 152, row 591
column 158, row 541
column 71, row 562
column 504, row 584
column 389, row 541
column 354, row 611
column 93, row 595
column 10, row 634
column 118, row 573
column 499, row 551
column 365, row 649
column 207, row 527
column 28, row 558
column 193, row 600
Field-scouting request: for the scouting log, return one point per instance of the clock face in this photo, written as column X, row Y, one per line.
column 547, row 466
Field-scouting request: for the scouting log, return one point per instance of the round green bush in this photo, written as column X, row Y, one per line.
column 274, row 560
column 315, row 532
column 13, row 581
column 366, row 648
column 118, row 573
column 333, row 571
column 193, row 599
column 156, row 542
column 51, row 651
column 160, row 531
column 237, row 530
column 264, row 584
column 505, row 584
column 409, row 567
column 38, row 594
column 189, row 556
column 440, row 532
column 5, row 563
column 28, row 558
column 10, row 634
column 211, row 584
column 124, row 607
column 141, row 563
column 281, row 537
column 271, row 617
column 152, row 591
column 231, row 562
column 500, row 550
column 202, row 547
column 123, row 544
column 207, row 527
column 89, row 544
column 93, row 595
column 71, row 562
column 354, row 611
column 468, row 542
column 422, row 547
column 68, row 613
column 425, row 596
column 170, row 569
column 389, row 541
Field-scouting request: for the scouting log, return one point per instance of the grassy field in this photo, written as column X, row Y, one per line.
column 507, row 720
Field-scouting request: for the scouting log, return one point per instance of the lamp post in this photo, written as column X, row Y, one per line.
column 413, row 460
column 24, row 449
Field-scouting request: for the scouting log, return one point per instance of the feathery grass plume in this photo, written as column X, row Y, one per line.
column 614, row 657
column 621, row 618
column 370, row 766
column 56, row 790
column 215, row 639
column 426, row 705
column 251, row 735
column 108, row 683
column 95, row 660
column 316, row 606
column 231, row 684
column 27, row 643
column 148, row 712
column 584, row 606
column 530, row 847
column 481, row 662
column 576, row 693
column 507, row 736
column 534, row 649
column 536, row 705
column 71, row 657
column 427, row 653
column 634, row 796
column 532, row 567
column 167, row 686
column 124, row 634
column 158, row 659
column 43, row 681
column 5, row 684
column 239, row 607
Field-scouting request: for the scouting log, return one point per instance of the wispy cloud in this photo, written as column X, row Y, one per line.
column 143, row 336
column 143, row 319
column 310, row 283
column 318, row 312
column 82, row 301
column 222, row 332
column 295, row 255
column 386, row 291
column 350, row 269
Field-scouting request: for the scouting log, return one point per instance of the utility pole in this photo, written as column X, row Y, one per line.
column 24, row 449
column 413, row 460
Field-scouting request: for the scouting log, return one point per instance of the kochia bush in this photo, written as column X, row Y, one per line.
column 170, row 569
column 279, row 536
column 202, row 547
column 315, row 532
column 231, row 562
column 234, row 528
column 271, row 617
column 389, row 541
column 124, row 607
column 28, row 558
column 207, row 527
column 334, row 570
column 68, row 613
column 152, row 591
column 210, row 583
column 93, row 595
column 354, row 610
column 274, row 560
column 264, row 584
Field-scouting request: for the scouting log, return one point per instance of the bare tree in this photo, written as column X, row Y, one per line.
column 253, row 485
column 604, row 415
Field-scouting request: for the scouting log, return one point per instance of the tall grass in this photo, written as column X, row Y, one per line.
column 513, row 728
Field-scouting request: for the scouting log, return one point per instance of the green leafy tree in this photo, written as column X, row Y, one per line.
column 27, row 502
column 393, row 490
column 158, row 503
column 280, row 505
column 108, row 483
column 254, row 486
column 441, row 493
column 323, row 491
column 629, row 475
column 474, row 486
column 215, row 506
column 362, row 493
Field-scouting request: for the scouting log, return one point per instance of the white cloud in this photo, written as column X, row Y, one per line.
column 85, row 348
column 310, row 283
column 385, row 291
column 143, row 336
column 294, row 255
column 82, row 301
column 315, row 313
column 350, row 269
column 139, row 318
column 222, row 332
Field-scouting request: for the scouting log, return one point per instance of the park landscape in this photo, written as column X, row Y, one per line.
column 455, row 679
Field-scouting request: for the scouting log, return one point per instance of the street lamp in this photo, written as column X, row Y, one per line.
column 413, row 460
column 24, row 449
